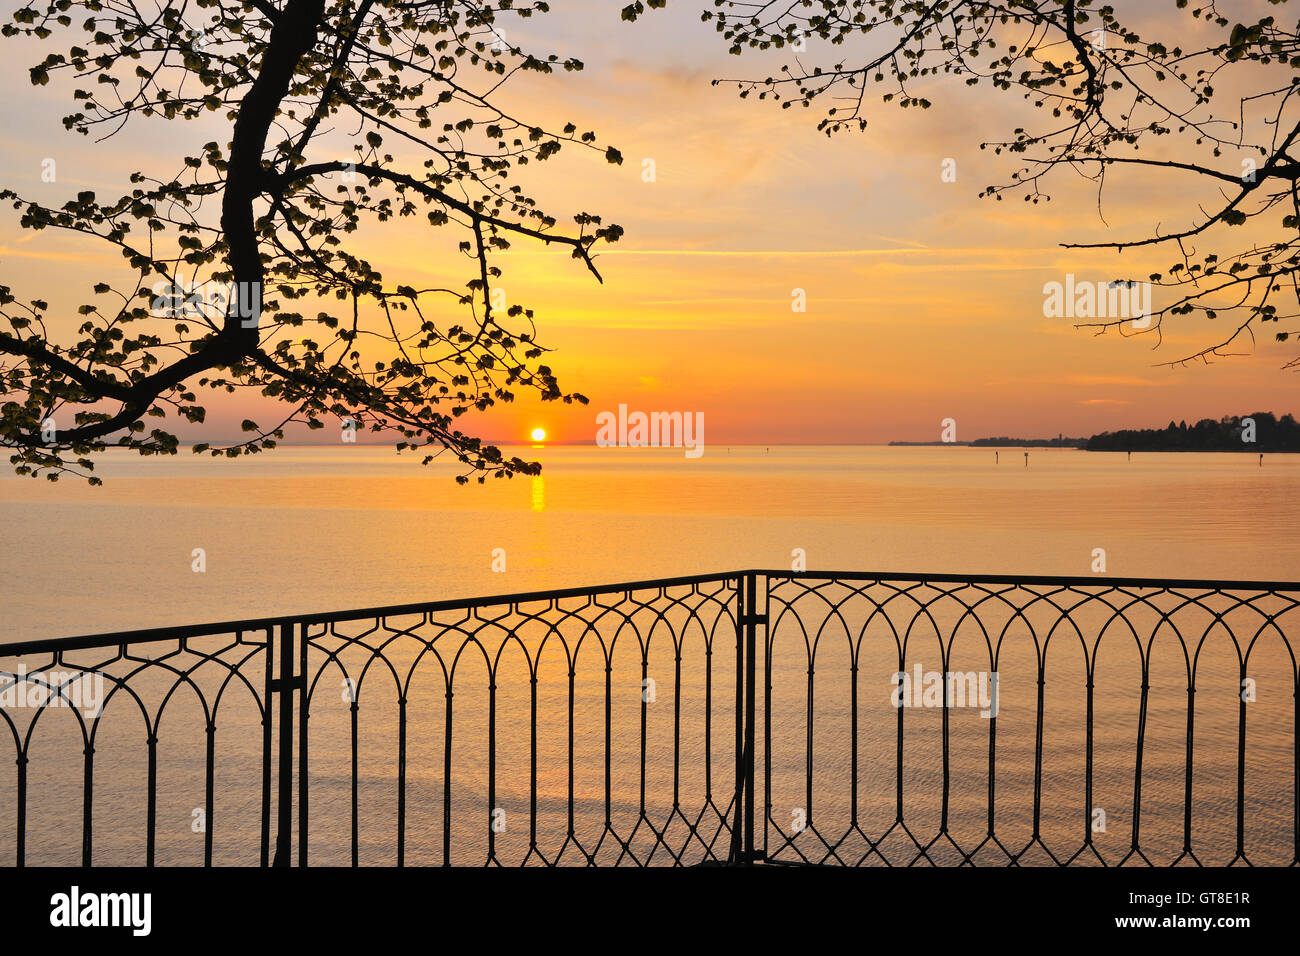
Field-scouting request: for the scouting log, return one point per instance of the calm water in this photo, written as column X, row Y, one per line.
column 312, row 529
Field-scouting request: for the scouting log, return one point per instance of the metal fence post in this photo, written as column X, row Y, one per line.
column 303, row 778
column 747, row 621
column 754, row 618
column 737, row 820
column 284, row 687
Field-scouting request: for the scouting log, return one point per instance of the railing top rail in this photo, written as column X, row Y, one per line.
column 1075, row 580
column 171, row 633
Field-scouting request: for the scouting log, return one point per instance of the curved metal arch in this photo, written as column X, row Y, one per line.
column 374, row 655
column 1266, row 625
column 235, row 676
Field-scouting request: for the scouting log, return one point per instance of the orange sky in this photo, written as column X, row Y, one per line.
column 923, row 302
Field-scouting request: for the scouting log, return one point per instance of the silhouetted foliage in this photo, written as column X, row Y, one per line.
column 1221, row 113
column 1271, row 434
column 342, row 114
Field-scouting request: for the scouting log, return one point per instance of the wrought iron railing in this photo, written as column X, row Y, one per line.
column 786, row 717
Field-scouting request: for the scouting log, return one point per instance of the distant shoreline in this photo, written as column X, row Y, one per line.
column 1068, row 445
column 1255, row 434
column 1075, row 443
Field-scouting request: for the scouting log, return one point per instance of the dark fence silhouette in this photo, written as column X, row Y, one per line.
column 754, row 716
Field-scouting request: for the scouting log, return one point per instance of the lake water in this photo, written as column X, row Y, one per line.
column 312, row 529
column 315, row 529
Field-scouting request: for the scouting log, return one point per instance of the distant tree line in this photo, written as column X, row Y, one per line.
column 1230, row 433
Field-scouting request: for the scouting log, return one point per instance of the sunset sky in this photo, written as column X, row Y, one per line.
column 923, row 302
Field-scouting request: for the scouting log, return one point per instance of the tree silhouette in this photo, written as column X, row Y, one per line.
column 1221, row 112
column 1256, row 433
column 313, row 91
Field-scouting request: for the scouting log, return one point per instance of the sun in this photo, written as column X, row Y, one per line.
column 539, row 434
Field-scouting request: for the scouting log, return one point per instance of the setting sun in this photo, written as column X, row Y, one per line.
column 539, row 434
